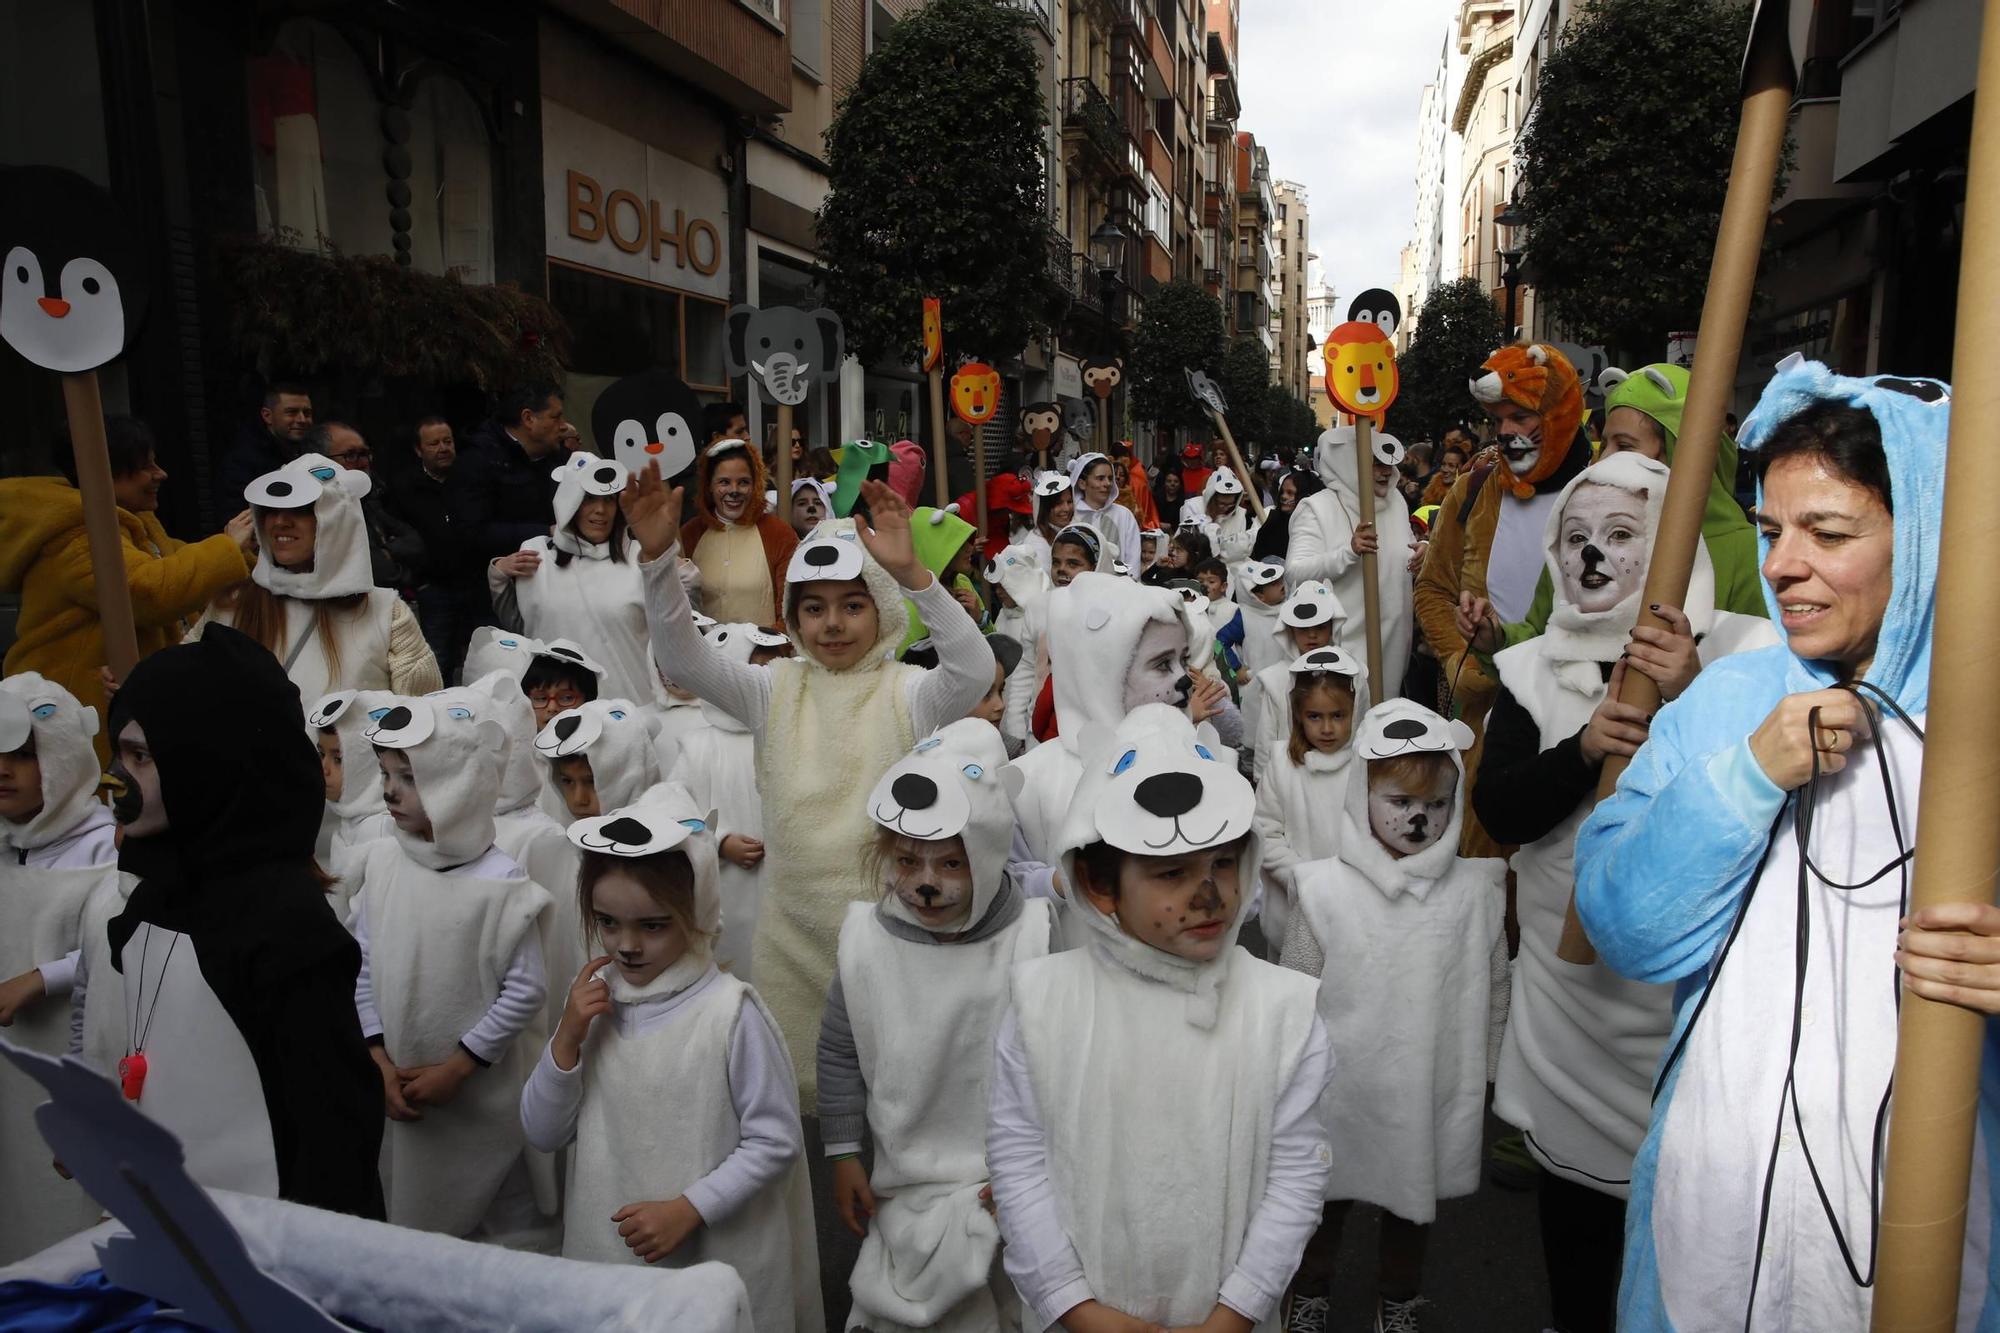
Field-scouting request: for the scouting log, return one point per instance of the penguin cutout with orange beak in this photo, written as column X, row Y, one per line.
column 650, row 417
column 975, row 392
column 1361, row 374
column 72, row 288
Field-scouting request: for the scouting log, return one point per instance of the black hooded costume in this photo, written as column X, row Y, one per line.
column 234, row 872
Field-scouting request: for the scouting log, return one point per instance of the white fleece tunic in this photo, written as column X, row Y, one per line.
column 718, row 766
column 1321, row 547
column 822, row 739
column 596, row 601
column 685, row 1089
column 1299, row 810
column 436, row 946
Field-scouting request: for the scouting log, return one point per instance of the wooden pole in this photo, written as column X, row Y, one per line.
column 1929, row 1164
column 785, row 462
column 979, row 483
column 1371, row 591
column 1732, row 277
column 940, row 438
column 100, row 520
column 1236, row 459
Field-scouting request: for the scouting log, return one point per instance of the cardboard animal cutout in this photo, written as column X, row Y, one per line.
column 1361, row 376
column 1206, row 392
column 835, row 557
column 933, row 333
column 1102, row 374
column 1169, row 793
column 1379, row 307
column 975, row 392
column 785, row 349
column 1041, row 423
column 72, row 289
column 650, row 417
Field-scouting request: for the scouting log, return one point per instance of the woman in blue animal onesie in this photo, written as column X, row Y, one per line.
column 1756, row 855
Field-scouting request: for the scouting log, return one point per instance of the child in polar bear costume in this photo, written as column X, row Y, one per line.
column 667, row 1078
column 1402, row 933
column 1153, row 1135
column 907, row 1040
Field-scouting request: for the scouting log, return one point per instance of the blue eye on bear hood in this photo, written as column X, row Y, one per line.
column 1125, row 761
column 323, row 473
column 973, row 771
column 44, row 710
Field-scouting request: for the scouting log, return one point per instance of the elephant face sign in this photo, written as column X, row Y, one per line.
column 785, row 349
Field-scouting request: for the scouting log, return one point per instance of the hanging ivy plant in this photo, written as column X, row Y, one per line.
column 291, row 312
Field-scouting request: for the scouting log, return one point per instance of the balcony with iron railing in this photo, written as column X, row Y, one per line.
column 1089, row 116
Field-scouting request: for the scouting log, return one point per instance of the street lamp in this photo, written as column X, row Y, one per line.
column 1107, row 249
column 1510, row 277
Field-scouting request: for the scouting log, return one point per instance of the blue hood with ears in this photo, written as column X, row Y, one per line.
column 1915, row 417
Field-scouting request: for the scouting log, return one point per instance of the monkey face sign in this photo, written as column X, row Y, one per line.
column 1040, row 422
column 1102, row 374
column 975, row 392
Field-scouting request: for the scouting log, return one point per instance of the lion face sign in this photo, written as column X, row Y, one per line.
column 975, row 392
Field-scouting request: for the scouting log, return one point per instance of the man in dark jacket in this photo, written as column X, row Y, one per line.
column 274, row 439
column 395, row 548
column 509, row 468
column 435, row 498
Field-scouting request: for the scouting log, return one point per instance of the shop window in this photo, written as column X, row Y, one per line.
column 618, row 326
column 337, row 169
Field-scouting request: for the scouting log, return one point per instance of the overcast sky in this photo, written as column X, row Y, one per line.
column 1331, row 90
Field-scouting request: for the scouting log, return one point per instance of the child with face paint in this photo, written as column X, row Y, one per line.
column 1583, row 1044
column 718, row 766
column 1055, row 509
column 1258, row 591
column 354, row 810
column 220, row 937
column 1402, row 934
column 57, row 854
column 311, row 598
column 581, row 581
column 1152, row 550
column 740, row 548
column 1153, row 1131
column 667, row 1079
column 906, row 1044
column 1022, row 587
column 1095, row 478
column 452, row 976
column 825, row 723
column 1312, row 617
column 812, row 505
column 1130, row 646
column 1225, row 517
column 1305, row 782
column 598, row 757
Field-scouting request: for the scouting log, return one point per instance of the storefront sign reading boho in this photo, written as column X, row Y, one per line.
column 620, row 205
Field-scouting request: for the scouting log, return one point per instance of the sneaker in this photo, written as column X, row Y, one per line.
column 1510, row 1165
column 1307, row 1315
column 1398, row 1316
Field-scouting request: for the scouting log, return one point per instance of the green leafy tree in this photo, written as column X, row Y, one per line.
column 1624, row 164
column 934, row 160
column 1456, row 329
column 1289, row 425
column 1245, row 380
column 1180, row 329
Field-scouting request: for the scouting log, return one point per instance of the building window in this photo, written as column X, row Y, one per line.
column 618, row 326
column 1158, row 214
column 451, row 183
column 808, row 37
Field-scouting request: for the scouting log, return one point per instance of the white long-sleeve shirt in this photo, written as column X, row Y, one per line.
column 522, row 989
column 963, row 676
column 1042, row 1262
column 766, row 1107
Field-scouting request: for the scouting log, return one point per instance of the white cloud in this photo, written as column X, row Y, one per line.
column 1330, row 88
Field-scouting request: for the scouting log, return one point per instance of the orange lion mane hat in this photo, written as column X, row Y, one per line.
column 1538, row 377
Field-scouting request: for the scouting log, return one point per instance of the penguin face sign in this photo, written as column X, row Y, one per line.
column 975, row 392
column 1379, row 307
column 646, row 418
column 71, row 289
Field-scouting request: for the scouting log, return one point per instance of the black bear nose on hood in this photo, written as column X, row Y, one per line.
column 1168, row 795
column 914, row 791
column 566, row 727
column 1404, row 729
column 628, row 831
column 821, row 556
column 395, row 719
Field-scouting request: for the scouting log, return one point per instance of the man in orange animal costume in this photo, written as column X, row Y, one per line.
column 1486, row 543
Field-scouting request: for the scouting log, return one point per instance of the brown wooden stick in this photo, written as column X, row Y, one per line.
column 1732, row 278
column 940, row 437
column 1929, row 1163
column 979, row 486
column 100, row 520
column 1371, row 591
column 1236, row 458
column 785, row 462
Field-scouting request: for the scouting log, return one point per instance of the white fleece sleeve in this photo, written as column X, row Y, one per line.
column 1279, row 858
column 964, row 671
column 551, row 1101
column 522, row 990
column 769, row 1136
column 1313, row 552
column 739, row 689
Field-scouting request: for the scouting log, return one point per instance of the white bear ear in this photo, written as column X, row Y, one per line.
column 492, row 736
column 1095, row 742
column 1538, row 354
column 1610, row 378
column 710, row 819
column 1013, row 781
column 355, row 485
column 1461, row 735
column 1660, row 381
column 90, row 721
